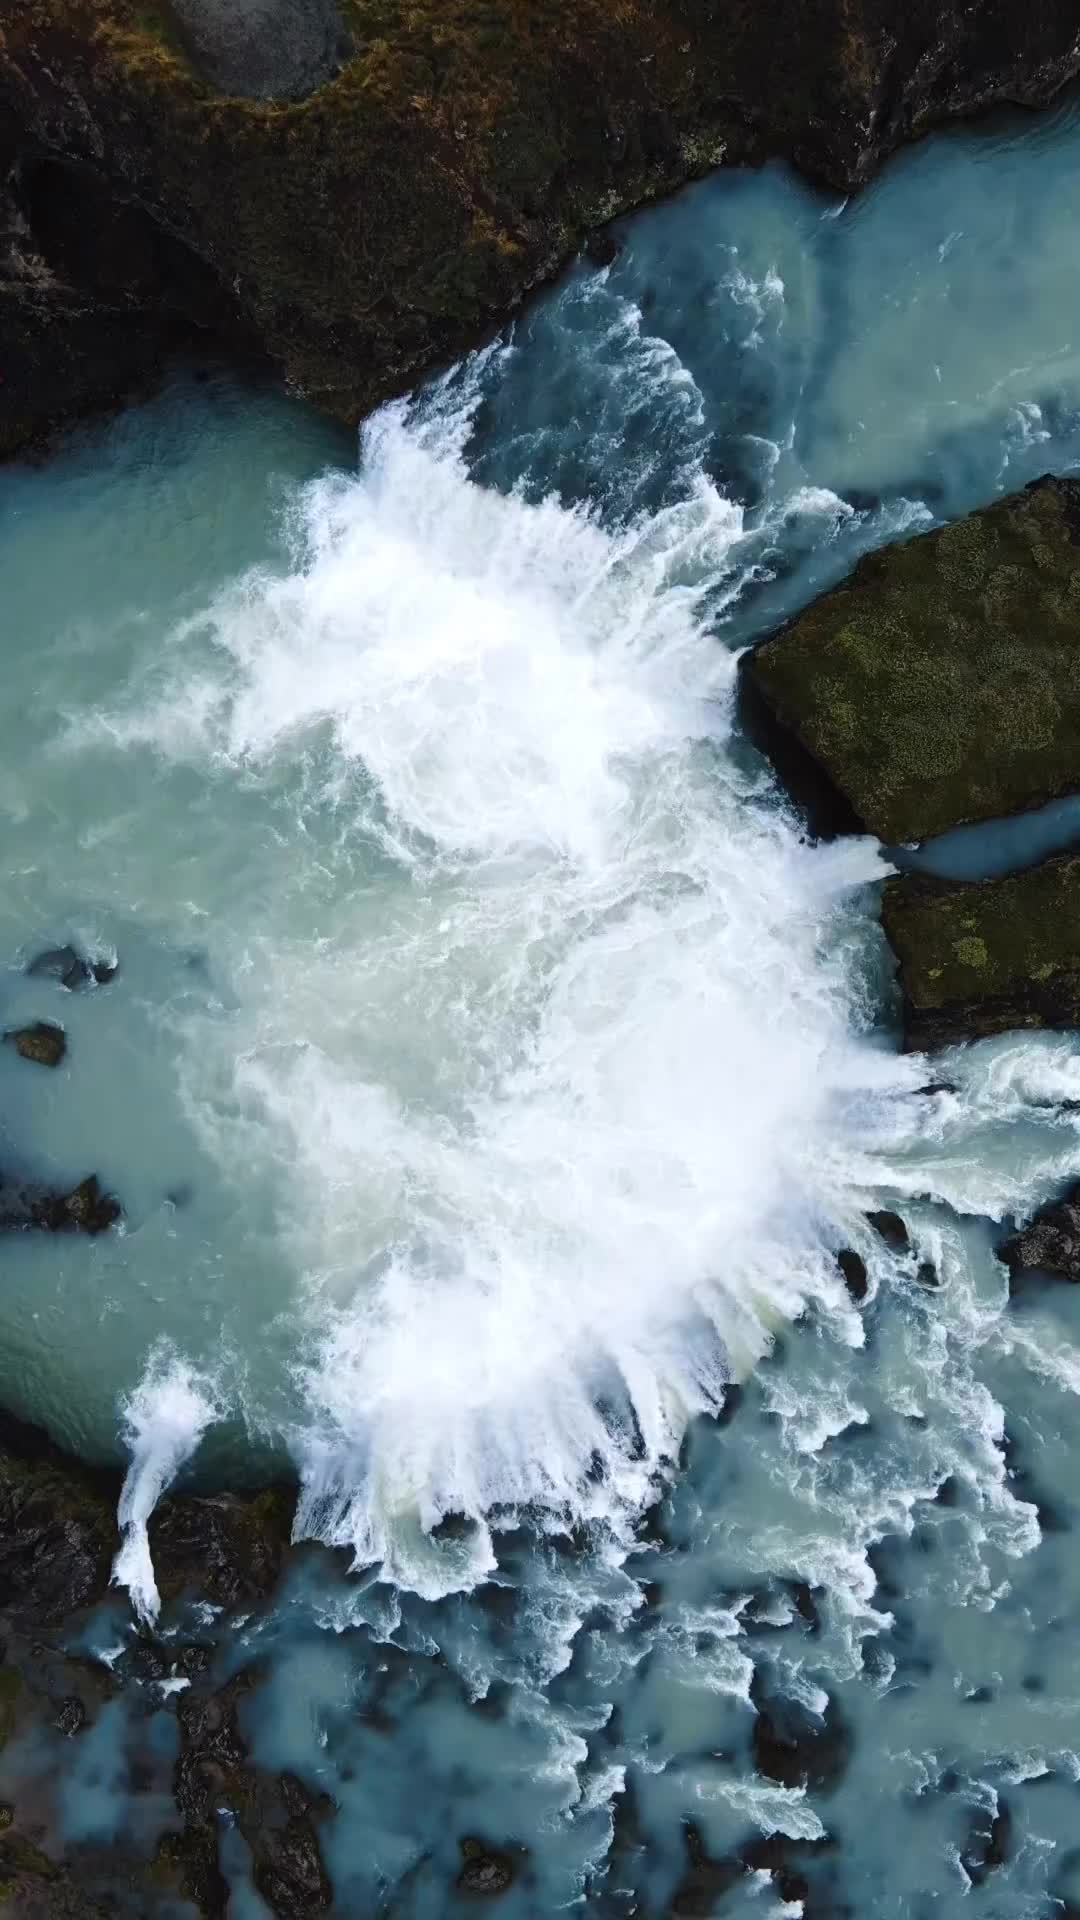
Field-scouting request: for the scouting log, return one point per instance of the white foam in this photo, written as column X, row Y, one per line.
column 162, row 1424
column 577, row 1108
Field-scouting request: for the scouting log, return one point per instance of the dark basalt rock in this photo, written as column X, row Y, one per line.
column 907, row 683
column 1051, row 1244
column 794, row 1866
column 448, row 162
column 45, row 1045
column 485, row 1870
column 891, row 1229
column 794, row 1747
column 264, row 49
column 984, row 958
column 72, row 969
column 989, row 1844
column 224, row 1548
column 57, row 1528
column 853, row 1268
column 86, row 1209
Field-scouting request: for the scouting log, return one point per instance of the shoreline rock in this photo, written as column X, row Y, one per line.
column 986, row 957
column 355, row 238
column 940, row 683
column 1049, row 1244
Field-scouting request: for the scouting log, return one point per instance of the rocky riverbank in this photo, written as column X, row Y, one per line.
column 940, row 685
column 350, row 193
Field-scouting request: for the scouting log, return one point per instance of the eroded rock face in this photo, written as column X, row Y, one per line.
column 986, row 958
column 455, row 157
column 941, row 682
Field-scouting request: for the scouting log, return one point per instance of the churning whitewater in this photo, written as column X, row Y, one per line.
column 570, row 1112
column 493, row 1069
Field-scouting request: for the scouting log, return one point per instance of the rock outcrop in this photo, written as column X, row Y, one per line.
column 419, row 167
column 984, row 958
column 941, row 682
column 1050, row 1243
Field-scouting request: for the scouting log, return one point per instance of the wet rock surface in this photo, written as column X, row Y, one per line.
column 485, row 1871
column 72, row 969
column 1050, row 1244
column 984, row 958
column 452, row 158
column 224, row 1548
column 794, row 1747
column 940, row 684
column 86, row 1209
column 43, row 1044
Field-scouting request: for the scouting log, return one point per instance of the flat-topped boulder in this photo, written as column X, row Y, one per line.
column 981, row 959
column 263, row 49
column 940, row 684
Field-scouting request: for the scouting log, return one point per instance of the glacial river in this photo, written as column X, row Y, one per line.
column 494, row 1068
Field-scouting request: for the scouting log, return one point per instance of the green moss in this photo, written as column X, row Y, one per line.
column 981, row 959
column 941, row 683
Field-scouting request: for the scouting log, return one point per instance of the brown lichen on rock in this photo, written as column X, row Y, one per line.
column 941, row 683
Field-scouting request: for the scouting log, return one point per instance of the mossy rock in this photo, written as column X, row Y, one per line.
column 458, row 155
column 985, row 958
column 43, row 1043
column 941, row 683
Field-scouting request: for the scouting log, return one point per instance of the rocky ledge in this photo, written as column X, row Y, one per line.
column 940, row 684
column 353, row 190
column 985, row 958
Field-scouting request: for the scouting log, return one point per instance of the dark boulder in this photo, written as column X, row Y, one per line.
column 57, row 1529
column 226, row 1548
column 1051, row 1244
column 445, row 165
column 853, row 1268
column 891, row 1229
column 989, row 1844
column 45, row 1045
column 984, row 957
column 72, row 969
column 795, row 1747
column 86, row 1209
column 904, row 683
column 485, row 1870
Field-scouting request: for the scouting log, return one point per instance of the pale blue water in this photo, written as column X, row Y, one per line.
column 493, row 1072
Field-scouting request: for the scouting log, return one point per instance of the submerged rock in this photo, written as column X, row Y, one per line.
column 263, row 49
column 446, row 162
column 86, row 1209
column 485, row 1870
column 941, row 682
column 57, row 1528
column 853, row 1268
column 795, row 1747
column 45, row 1045
column 275, row 1813
column 72, row 969
column 891, row 1229
column 1051, row 1244
column 983, row 958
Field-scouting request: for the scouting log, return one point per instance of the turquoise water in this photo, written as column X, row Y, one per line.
column 493, row 1070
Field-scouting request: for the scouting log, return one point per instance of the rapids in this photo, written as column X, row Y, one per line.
column 495, row 1068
